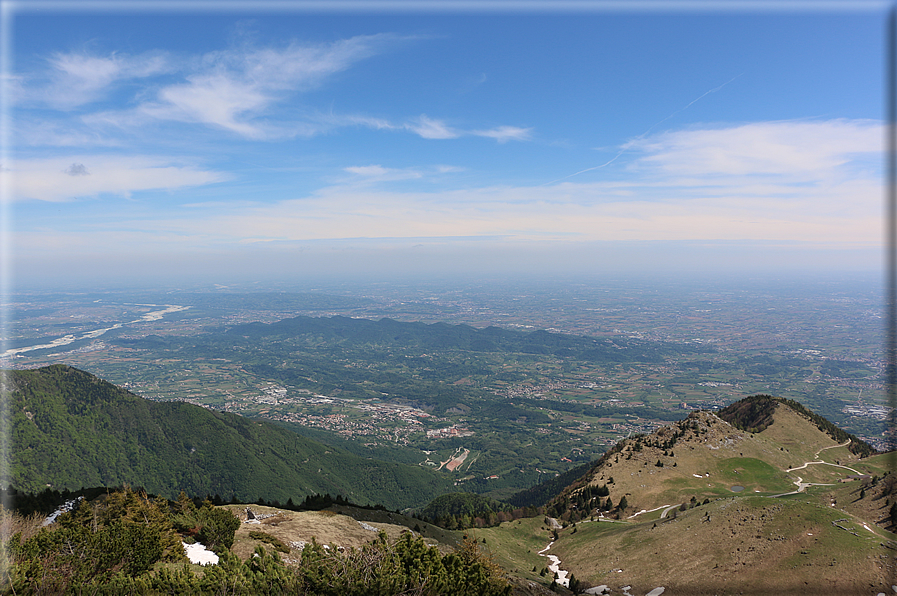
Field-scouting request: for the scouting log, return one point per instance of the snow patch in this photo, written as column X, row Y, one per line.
column 199, row 554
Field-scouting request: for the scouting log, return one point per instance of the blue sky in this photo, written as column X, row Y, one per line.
column 214, row 146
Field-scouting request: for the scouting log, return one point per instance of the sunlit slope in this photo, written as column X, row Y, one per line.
column 703, row 456
column 70, row 429
column 738, row 545
column 722, row 513
column 340, row 525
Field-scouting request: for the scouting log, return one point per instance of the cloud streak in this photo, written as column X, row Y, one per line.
column 792, row 149
column 251, row 93
column 801, row 181
column 775, row 187
column 78, row 79
column 432, row 128
column 67, row 178
column 645, row 134
column 232, row 89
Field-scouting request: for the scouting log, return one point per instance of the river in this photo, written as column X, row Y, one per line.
column 65, row 340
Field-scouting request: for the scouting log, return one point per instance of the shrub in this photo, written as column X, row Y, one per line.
column 278, row 544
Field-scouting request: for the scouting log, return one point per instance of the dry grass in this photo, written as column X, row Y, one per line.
column 647, row 486
column 800, row 437
column 12, row 523
column 724, row 453
column 750, row 545
column 327, row 527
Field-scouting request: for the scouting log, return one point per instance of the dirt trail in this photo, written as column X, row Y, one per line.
column 667, row 510
column 816, row 455
column 823, row 463
column 650, row 511
column 801, row 485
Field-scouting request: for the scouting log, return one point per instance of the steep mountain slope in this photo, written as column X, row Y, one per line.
column 70, row 429
column 757, row 413
column 708, row 508
column 703, row 456
column 749, row 545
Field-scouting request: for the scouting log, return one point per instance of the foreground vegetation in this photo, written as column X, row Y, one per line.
column 666, row 502
column 129, row 542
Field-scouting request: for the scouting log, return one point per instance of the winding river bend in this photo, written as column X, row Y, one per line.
column 65, row 340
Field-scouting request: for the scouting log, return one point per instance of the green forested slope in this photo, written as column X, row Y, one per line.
column 436, row 336
column 70, row 429
column 463, row 505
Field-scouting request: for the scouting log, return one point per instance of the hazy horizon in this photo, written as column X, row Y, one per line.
column 225, row 147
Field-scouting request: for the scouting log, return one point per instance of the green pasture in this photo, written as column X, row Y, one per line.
column 515, row 545
column 750, row 473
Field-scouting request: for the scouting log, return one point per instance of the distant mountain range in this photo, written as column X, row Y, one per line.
column 459, row 337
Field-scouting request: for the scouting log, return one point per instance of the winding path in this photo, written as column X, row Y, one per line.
column 845, row 444
column 667, row 510
column 809, row 463
column 801, row 485
column 650, row 510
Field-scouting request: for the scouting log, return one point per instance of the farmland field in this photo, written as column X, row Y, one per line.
column 638, row 356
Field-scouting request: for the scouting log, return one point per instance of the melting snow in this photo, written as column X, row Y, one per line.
column 199, row 554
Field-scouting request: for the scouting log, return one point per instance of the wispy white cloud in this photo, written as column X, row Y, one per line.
column 31, row 132
column 378, row 173
column 367, row 121
column 430, row 128
column 503, row 134
column 373, row 170
column 211, row 99
column 694, row 185
column 77, row 79
column 805, row 182
column 234, row 89
column 794, row 149
column 251, row 92
column 66, row 178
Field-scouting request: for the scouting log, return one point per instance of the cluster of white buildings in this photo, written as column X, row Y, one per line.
column 451, row 431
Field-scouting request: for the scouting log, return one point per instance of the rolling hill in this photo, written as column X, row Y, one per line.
column 709, row 508
column 763, row 497
column 70, row 429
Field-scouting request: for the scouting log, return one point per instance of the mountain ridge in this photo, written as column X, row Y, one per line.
column 704, row 456
column 70, row 429
column 702, row 507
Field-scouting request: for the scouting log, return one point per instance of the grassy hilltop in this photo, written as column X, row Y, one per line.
column 702, row 507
